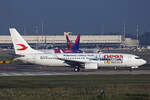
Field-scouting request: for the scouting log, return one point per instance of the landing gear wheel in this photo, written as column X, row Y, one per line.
column 131, row 69
column 76, row 69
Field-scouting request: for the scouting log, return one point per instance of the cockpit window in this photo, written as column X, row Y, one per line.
column 137, row 58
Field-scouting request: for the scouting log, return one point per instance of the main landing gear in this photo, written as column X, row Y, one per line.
column 77, row 69
column 132, row 68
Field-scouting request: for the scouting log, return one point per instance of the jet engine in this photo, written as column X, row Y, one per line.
column 91, row 66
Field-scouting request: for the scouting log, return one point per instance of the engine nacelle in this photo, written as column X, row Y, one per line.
column 91, row 66
column 133, row 67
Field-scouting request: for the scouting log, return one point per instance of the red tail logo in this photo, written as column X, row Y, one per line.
column 23, row 47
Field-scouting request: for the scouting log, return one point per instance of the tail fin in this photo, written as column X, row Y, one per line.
column 68, row 42
column 20, row 45
column 76, row 44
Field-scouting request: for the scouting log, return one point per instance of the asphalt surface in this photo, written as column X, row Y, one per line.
column 31, row 73
column 35, row 70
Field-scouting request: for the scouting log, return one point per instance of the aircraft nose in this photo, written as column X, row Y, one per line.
column 143, row 62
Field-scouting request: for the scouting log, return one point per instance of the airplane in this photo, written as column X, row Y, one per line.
column 71, row 49
column 76, row 60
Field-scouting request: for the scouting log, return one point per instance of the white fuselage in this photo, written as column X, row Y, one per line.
column 101, row 59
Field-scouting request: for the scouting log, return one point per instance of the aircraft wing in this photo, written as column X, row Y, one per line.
column 88, row 64
column 78, row 62
column 72, row 62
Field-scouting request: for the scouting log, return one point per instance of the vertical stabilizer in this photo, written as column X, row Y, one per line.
column 68, row 42
column 20, row 45
column 77, row 43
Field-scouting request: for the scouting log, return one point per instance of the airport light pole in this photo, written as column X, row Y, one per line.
column 137, row 35
column 124, row 35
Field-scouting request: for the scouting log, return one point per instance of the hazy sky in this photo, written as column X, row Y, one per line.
column 79, row 16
